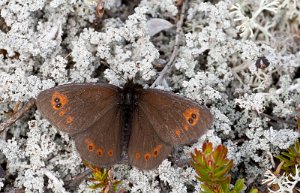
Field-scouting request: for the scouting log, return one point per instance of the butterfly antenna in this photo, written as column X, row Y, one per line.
column 147, row 71
column 117, row 73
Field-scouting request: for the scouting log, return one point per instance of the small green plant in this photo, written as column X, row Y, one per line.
column 103, row 179
column 290, row 158
column 212, row 168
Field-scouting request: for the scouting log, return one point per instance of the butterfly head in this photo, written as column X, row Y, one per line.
column 130, row 92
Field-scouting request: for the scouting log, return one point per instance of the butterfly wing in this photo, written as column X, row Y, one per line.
column 175, row 119
column 73, row 108
column 100, row 144
column 145, row 150
column 90, row 112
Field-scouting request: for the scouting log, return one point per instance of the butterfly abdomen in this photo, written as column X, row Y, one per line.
column 128, row 102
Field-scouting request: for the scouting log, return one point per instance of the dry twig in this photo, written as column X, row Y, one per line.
column 277, row 119
column 77, row 179
column 100, row 8
column 7, row 123
column 175, row 49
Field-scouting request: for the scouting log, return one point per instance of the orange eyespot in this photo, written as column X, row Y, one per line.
column 137, row 155
column 156, row 150
column 58, row 100
column 110, row 153
column 147, row 156
column 89, row 143
column 186, row 127
column 100, row 152
column 192, row 116
column 69, row 120
column 155, row 153
column 91, row 147
column 178, row 132
column 62, row 113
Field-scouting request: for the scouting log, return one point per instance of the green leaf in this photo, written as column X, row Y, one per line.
column 253, row 190
column 95, row 186
column 239, row 186
column 289, row 154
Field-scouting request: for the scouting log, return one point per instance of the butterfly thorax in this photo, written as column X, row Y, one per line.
column 130, row 95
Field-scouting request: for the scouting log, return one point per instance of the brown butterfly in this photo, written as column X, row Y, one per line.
column 107, row 121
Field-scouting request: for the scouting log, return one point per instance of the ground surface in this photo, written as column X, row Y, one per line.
column 217, row 45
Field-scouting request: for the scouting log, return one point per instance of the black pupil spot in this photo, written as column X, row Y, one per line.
column 191, row 121
column 155, row 152
column 100, row 153
column 194, row 116
column 90, row 147
column 58, row 104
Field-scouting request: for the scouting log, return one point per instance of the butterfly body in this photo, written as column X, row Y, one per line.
column 106, row 120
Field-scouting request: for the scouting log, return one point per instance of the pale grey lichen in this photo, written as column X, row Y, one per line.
column 143, row 181
column 285, row 183
column 166, row 7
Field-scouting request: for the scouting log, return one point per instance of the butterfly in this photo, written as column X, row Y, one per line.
column 106, row 121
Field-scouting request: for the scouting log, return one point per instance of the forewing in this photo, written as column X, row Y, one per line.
column 175, row 119
column 73, row 108
column 146, row 150
column 100, row 144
